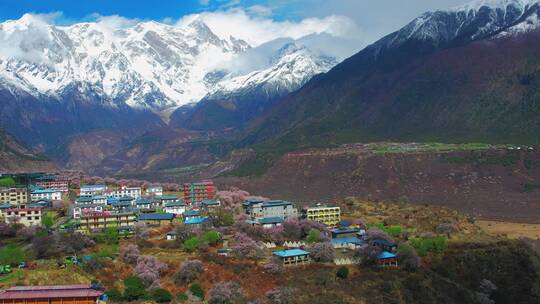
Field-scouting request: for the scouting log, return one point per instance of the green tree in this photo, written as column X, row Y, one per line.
column 7, row 182
column 114, row 295
column 342, row 272
column 47, row 220
column 161, row 295
column 212, row 237
column 313, row 236
column 192, row 244
column 108, row 236
column 134, row 289
column 197, row 291
column 12, row 255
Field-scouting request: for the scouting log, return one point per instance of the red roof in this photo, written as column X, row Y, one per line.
column 58, row 291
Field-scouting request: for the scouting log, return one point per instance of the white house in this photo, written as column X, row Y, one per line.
column 99, row 199
column 92, row 190
column 177, row 207
column 26, row 217
column 154, row 191
column 51, row 195
column 134, row 192
column 79, row 210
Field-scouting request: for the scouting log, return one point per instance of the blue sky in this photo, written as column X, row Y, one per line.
column 361, row 20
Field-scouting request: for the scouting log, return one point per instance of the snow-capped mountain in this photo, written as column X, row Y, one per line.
column 145, row 65
column 290, row 68
column 476, row 20
column 237, row 99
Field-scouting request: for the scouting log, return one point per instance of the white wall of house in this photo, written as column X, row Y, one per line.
column 46, row 195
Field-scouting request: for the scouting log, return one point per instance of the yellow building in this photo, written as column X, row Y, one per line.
column 14, row 196
column 323, row 214
column 27, row 217
column 102, row 220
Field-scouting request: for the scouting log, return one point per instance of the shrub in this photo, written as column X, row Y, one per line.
column 394, row 230
column 423, row 246
column 408, row 258
column 342, row 272
column 197, row 291
column 134, row 289
column 182, row 297
column 114, row 295
column 244, row 246
column 224, row 293
column 273, row 266
column 445, row 228
column 192, row 244
column 212, row 237
column 280, row 296
column 161, row 295
column 149, row 269
column 189, row 272
column 322, row 252
column 292, row 229
column 12, row 255
column 368, row 255
column 130, row 253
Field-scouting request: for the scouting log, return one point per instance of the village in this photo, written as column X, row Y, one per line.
column 94, row 225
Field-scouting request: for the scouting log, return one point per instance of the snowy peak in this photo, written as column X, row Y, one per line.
column 144, row 65
column 477, row 20
column 290, row 68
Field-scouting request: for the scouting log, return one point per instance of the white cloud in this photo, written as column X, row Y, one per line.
column 26, row 38
column 256, row 28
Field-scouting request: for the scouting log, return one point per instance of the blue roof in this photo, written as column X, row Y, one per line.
column 344, row 223
column 120, row 204
column 276, row 203
column 126, row 198
column 83, row 199
column 87, row 205
column 347, row 240
column 92, row 186
column 178, row 203
column 156, row 216
column 167, row 197
column 344, row 230
column 290, row 253
column 210, row 202
column 195, row 220
column 386, row 255
column 192, row 213
column 142, row 201
column 383, row 243
column 5, row 206
column 43, row 191
column 271, row 220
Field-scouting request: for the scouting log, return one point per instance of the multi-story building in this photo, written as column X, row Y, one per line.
column 154, row 191
column 198, row 192
column 328, row 215
column 259, row 209
column 99, row 199
column 53, row 182
column 68, row 294
column 27, row 217
column 14, row 195
column 3, row 211
column 44, row 194
column 92, row 190
column 80, row 209
column 101, row 220
column 177, row 207
column 293, row 257
column 134, row 192
column 162, row 200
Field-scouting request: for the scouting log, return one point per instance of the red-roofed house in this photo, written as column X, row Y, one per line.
column 59, row 294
